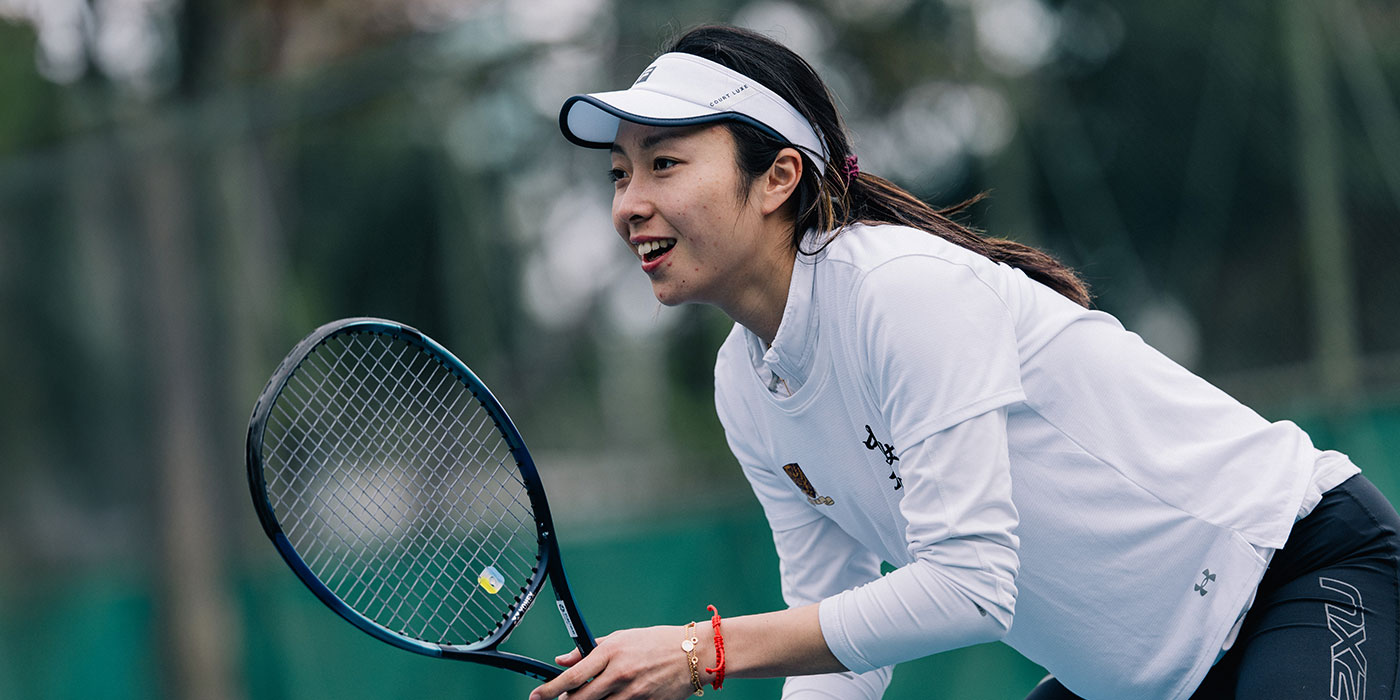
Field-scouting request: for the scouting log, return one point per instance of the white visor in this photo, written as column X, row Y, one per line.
column 680, row 89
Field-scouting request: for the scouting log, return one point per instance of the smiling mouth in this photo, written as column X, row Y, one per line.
column 651, row 250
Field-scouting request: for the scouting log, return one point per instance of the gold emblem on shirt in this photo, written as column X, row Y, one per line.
column 794, row 472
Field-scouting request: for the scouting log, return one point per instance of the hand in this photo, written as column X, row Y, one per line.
column 631, row 664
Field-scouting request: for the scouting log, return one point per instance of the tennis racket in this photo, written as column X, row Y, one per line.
column 396, row 487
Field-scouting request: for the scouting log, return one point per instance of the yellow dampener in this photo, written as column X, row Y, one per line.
column 491, row 580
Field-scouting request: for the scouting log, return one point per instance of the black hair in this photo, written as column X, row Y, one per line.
column 828, row 201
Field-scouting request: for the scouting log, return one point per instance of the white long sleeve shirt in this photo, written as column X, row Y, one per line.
column 1034, row 472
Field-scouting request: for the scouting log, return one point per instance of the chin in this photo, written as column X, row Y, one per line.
column 669, row 301
column 667, row 296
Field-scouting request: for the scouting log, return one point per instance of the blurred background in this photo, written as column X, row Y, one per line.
column 187, row 187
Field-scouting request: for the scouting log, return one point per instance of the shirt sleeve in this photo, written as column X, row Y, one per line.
column 839, row 686
column 937, row 345
column 818, row 560
column 959, row 590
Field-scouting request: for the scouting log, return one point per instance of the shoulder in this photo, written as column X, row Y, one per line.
column 886, row 262
column 867, row 254
column 868, row 246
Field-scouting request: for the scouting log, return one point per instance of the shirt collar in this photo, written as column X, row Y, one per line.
column 784, row 367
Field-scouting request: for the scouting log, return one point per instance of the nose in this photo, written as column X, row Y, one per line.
column 632, row 206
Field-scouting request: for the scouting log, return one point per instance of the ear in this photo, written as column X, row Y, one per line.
column 781, row 180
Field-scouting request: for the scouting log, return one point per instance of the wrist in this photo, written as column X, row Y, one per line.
column 692, row 647
column 703, row 646
column 717, row 634
column 709, row 660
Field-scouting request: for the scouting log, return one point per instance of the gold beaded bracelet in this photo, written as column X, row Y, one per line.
column 688, row 646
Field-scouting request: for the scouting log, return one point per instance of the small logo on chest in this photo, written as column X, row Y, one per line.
column 873, row 443
column 794, row 472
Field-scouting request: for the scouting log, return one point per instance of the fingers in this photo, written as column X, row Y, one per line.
column 573, row 656
column 579, row 669
column 631, row 664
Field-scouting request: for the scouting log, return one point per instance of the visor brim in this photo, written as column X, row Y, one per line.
column 591, row 120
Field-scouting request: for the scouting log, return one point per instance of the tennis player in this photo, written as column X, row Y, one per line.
column 899, row 388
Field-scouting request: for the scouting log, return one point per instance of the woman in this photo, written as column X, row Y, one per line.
column 899, row 388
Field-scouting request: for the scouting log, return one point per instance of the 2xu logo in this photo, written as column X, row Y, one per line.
column 1347, row 623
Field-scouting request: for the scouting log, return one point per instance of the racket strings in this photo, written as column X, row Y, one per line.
column 396, row 593
column 398, row 490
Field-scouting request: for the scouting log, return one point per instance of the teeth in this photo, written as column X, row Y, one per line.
column 647, row 247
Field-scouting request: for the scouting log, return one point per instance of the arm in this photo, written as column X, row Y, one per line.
column 648, row 663
column 943, row 374
column 958, row 591
column 816, row 559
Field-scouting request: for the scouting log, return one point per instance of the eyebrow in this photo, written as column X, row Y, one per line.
column 655, row 138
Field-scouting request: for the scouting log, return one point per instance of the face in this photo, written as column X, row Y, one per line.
column 680, row 204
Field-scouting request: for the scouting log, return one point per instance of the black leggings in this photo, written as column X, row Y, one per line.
column 1324, row 624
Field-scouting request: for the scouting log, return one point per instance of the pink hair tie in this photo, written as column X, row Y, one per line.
column 851, row 169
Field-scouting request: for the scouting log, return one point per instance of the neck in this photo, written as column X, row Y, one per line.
column 759, row 306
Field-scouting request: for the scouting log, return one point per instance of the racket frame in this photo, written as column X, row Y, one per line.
column 550, row 565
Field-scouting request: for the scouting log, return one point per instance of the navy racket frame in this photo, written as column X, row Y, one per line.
column 550, row 566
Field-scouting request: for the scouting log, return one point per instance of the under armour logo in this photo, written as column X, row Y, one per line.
column 1206, row 577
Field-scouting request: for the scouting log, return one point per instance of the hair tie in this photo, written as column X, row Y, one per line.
column 851, row 169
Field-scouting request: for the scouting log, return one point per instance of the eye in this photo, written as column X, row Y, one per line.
column 664, row 163
column 616, row 174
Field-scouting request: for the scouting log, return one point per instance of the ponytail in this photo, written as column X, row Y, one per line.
column 870, row 199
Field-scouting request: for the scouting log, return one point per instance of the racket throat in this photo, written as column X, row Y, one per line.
column 568, row 623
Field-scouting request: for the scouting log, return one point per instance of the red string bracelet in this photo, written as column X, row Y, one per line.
column 718, row 670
